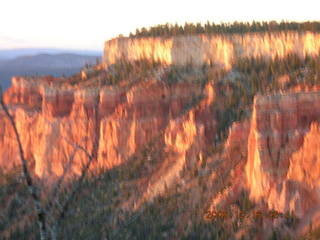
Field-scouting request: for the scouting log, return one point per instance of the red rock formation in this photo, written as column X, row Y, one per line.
column 234, row 159
column 23, row 91
column 186, row 138
column 283, row 152
column 112, row 123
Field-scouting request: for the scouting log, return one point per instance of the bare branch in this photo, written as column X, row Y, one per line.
column 21, row 153
column 60, row 181
column 46, row 213
column 26, row 172
column 79, row 182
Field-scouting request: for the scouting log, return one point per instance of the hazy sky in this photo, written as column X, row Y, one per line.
column 87, row 24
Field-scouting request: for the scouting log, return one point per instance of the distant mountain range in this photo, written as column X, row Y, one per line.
column 47, row 61
column 18, row 52
column 52, row 62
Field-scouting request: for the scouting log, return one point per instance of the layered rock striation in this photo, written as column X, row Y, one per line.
column 220, row 50
column 283, row 152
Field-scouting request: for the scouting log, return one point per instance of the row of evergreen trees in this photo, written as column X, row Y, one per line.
column 221, row 28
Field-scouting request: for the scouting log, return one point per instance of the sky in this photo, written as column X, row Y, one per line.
column 86, row 24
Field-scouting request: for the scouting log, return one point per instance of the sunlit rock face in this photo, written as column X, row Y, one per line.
column 186, row 138
column 283, row 151
column 112, row 123
column 147, row 110
column 222, row 50
column 23, row 92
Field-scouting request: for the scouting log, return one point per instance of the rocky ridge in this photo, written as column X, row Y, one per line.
column 221, row 50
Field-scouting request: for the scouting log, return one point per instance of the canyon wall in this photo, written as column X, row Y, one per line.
column 222, row 50
column 283, row 152
column 111, row 123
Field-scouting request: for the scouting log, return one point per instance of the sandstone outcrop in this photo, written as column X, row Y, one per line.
column 221, row 50
column 283, row 152
column 112, row 123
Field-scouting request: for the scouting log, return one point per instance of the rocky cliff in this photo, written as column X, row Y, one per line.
column 283, row 152
column 222, row 50
column 112, row 123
